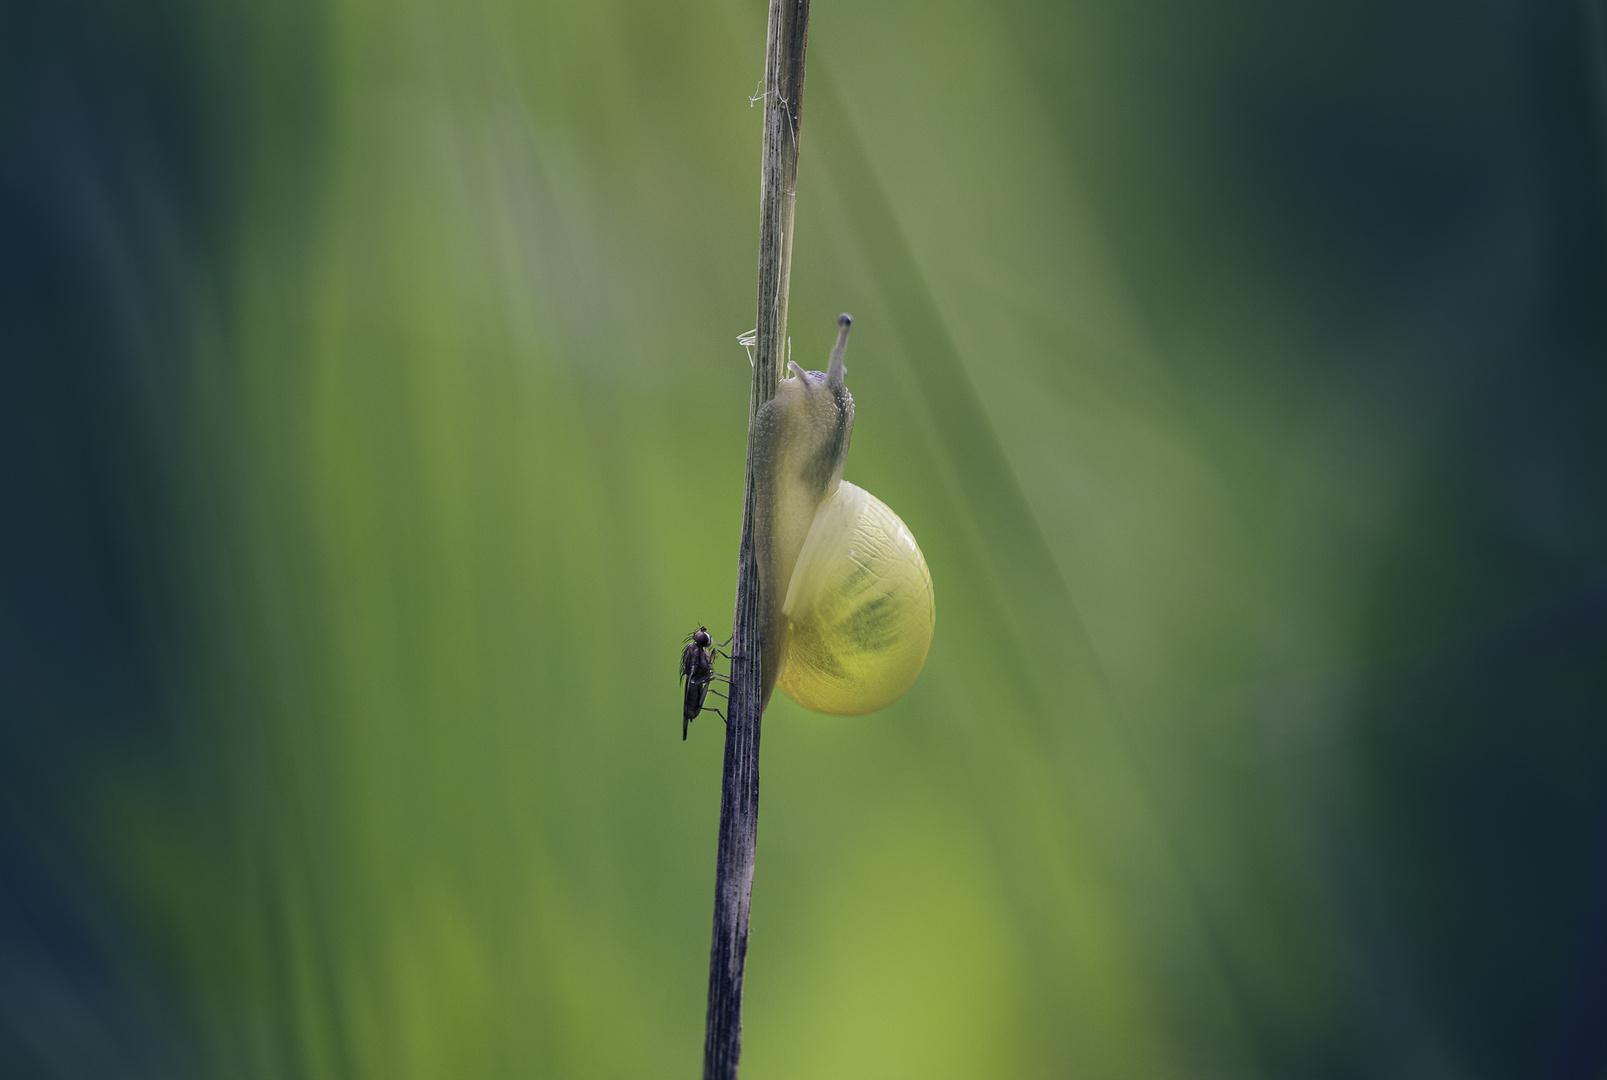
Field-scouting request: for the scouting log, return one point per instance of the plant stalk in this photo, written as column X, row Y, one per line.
column 785, row 41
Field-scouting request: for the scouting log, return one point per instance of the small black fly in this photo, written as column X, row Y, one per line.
column 697, row 671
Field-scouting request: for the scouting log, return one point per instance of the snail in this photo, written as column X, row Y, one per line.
column 846, row 597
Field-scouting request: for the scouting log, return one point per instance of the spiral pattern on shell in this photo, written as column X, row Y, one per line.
column 860, row 610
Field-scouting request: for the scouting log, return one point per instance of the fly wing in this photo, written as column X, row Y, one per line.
column 697, row 690
column 689, row 657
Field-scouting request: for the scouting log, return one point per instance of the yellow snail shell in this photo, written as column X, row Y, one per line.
column 848, row 612
column 859, row 609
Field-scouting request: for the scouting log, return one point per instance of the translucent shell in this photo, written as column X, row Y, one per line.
column 859, row 608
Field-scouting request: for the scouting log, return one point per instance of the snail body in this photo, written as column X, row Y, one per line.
column 847, row 603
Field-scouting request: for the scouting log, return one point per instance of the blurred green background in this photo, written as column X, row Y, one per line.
column 372, row 429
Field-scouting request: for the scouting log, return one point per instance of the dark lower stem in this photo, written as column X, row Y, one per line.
column 739, row 825
column 786, row 40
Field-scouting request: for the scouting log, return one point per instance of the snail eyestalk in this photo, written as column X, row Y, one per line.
column 835, row 370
